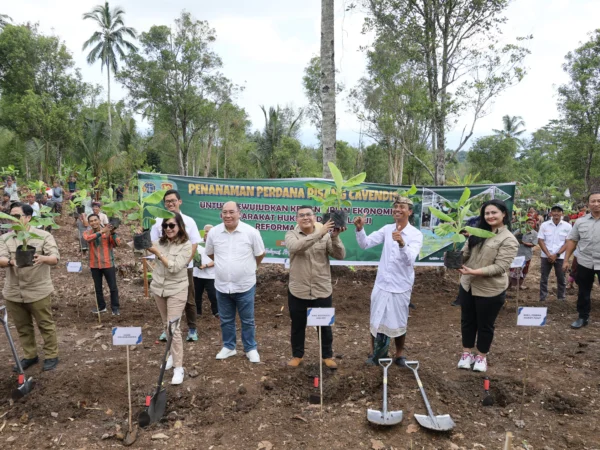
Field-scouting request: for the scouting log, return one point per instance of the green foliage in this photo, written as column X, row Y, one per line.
column 493, row 158
column 144, row 212
column 24, row 235
column 336, row 195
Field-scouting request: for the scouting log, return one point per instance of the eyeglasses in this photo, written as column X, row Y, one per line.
column 171, row 202
column 303, row 215
column 17, row 216
column 168, row 225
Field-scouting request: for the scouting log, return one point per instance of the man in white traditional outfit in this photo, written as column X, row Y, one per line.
column 395, row 278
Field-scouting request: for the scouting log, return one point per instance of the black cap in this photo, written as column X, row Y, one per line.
column 557, row 207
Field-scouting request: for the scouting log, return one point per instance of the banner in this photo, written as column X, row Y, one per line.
column 270, row 206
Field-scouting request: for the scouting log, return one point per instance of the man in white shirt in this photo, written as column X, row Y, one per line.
column 11, row 189
column 172, row 201
column 204, row 278
column 552, row 239
column 390, row 298
column 34, row 205
column 237, row 249
column 96, row 210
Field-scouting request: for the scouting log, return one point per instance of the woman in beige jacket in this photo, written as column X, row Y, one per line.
column 483, row 282
column 170, row 283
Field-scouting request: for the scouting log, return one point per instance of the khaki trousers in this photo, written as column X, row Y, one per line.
column 171, row 308
column 23, row 314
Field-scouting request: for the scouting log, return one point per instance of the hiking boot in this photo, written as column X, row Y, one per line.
column 455, row 302
column 50, row 364
column 370, row 361
column 115, row 312
column 253, row 356
column 330, row 363
column 163, row 337
column 26, row 363
column 579, row 323
column 95, row 310
column 480, row 364
column 177, row 375
column 192, row 335
column 294, row 362
column 466, row 360
column 400, row 361
column 226, row 353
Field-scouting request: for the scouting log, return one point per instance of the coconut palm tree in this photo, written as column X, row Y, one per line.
column 511, row 128
column 109, row 41
column 4, row 20
column 328, row 132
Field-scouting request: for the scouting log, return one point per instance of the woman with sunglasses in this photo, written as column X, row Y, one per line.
column 170, row 283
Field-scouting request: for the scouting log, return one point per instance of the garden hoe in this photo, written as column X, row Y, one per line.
column 384, row 417
column 25, row 384
column 432, row 422
column 158, row 402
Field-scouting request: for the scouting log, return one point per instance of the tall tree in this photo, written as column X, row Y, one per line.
column 512, row 128
column 328, row 138
column 4, row 20
column 455, row 44
column 109, row 42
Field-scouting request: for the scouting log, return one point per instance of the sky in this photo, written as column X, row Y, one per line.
column 266, row 44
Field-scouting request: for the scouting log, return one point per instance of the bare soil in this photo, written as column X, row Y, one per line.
column 234, row 404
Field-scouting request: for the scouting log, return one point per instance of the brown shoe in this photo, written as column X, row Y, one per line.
column 330, row 363
column 294, row 362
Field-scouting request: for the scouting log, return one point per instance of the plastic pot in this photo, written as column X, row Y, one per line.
column 340, row 218
column 142, row 241
column 453, row 259
column 80, row 209
column 115, row 222
column 197, row 263
column 24, row 258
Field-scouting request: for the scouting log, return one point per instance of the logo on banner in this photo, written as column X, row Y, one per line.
column 148, row 187
column 166, row 186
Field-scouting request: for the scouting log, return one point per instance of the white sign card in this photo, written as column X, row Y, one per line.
column 320, row 317
column 532, row 317
column 286, row 263
column 127, row 335
column 74, row 267
column 518, row 262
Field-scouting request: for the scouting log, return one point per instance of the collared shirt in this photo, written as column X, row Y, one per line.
column 494, row 258
column 36, row 209
column 170, row 280
column 101, row 249
column 13, row 192
column 531, row 237
column 396, row 272
column 190, row 228
column 207, row 272
column 235, row 256
column 310, row 273
column 586, row 232
column 28, row 284
column 554, row 236
column 103, row 219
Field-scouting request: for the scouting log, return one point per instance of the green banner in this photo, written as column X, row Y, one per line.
column 270, row 206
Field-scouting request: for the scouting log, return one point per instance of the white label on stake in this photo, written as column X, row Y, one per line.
column 127, row 335
column 532, row 317
column 73, row 267
column 286, row 263
column 518, row 262
column 320, row 317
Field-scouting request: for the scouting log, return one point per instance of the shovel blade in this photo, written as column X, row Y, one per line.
column 390, row 418
column 155, row 411
column 23, row 389
column 437, row 423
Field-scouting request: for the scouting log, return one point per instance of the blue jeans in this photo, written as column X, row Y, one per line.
column 244, row 302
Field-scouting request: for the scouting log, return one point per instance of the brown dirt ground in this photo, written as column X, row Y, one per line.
column 83, row 404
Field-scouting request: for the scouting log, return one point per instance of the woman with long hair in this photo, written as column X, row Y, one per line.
column 170, row 283
column 483, row 283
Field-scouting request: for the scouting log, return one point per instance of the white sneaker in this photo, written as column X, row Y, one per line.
column 480, row 364
column 253, row 356
column 177, row 375
column 226, row 353
column 466, row 360
column 169, row 362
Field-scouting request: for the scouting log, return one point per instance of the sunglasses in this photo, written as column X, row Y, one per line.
column 168, row 225
column 17, row 216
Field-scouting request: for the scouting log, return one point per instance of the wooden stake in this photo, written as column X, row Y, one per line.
column 129, row 389
column 525, row 377
column 321, row 371
column 508, row 441
column 145, row 264
column 518, row 289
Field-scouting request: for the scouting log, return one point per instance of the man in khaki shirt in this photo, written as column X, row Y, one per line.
column 27, row 290
column 310, row 246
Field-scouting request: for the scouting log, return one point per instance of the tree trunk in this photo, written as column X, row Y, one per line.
column 208, row 154
column 328, row 84
column 108, row 91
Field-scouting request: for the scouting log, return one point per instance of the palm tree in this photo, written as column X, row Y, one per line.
column 4, row 20
column 328, row 134
column 510, row 130
column 109, row 41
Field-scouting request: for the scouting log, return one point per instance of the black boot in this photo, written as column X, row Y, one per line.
column 580, row 322
column 27, row 363
column 50, row 364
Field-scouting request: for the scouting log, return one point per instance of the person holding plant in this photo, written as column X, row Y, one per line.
column 173, row 251
column 309, row 248
column 483, row 282
column 101, row 240
column 527, row 241
column 96, row 211
column 28, row 290
column 390, row 298
column 552, row 239
column 204, row 278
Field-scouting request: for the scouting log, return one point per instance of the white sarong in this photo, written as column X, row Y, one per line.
column 389, row 312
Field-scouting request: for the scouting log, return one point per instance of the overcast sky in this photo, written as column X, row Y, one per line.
column 266, row 44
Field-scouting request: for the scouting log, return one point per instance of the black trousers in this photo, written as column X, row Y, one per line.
column 208, row 284
column 477, row 318
column 298, row 310
column 585, row 281
column 111, row 278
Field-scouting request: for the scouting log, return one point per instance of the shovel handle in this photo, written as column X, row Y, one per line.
column 385, row 362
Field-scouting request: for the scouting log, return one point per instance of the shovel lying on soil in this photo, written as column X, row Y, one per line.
column 384, row 417
column 158, row 402
column 25, row 384
column 432, row 422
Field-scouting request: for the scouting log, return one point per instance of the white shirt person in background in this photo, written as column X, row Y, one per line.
column 390, row 298
column 237, row 249
column 204, row 278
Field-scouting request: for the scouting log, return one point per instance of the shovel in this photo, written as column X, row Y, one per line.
column 488, row 400
column 158, row 402
column 25, row 384
column 432, row 422
column 384, row 417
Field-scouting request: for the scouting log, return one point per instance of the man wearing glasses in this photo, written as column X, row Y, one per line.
column 28, row 290
column 173, row 202
column 310, row 278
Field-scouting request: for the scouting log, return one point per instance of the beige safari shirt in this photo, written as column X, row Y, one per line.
column 28, row 284
column 310, row 274
column 168, row 281
column 586, row 232
column 494, row 257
